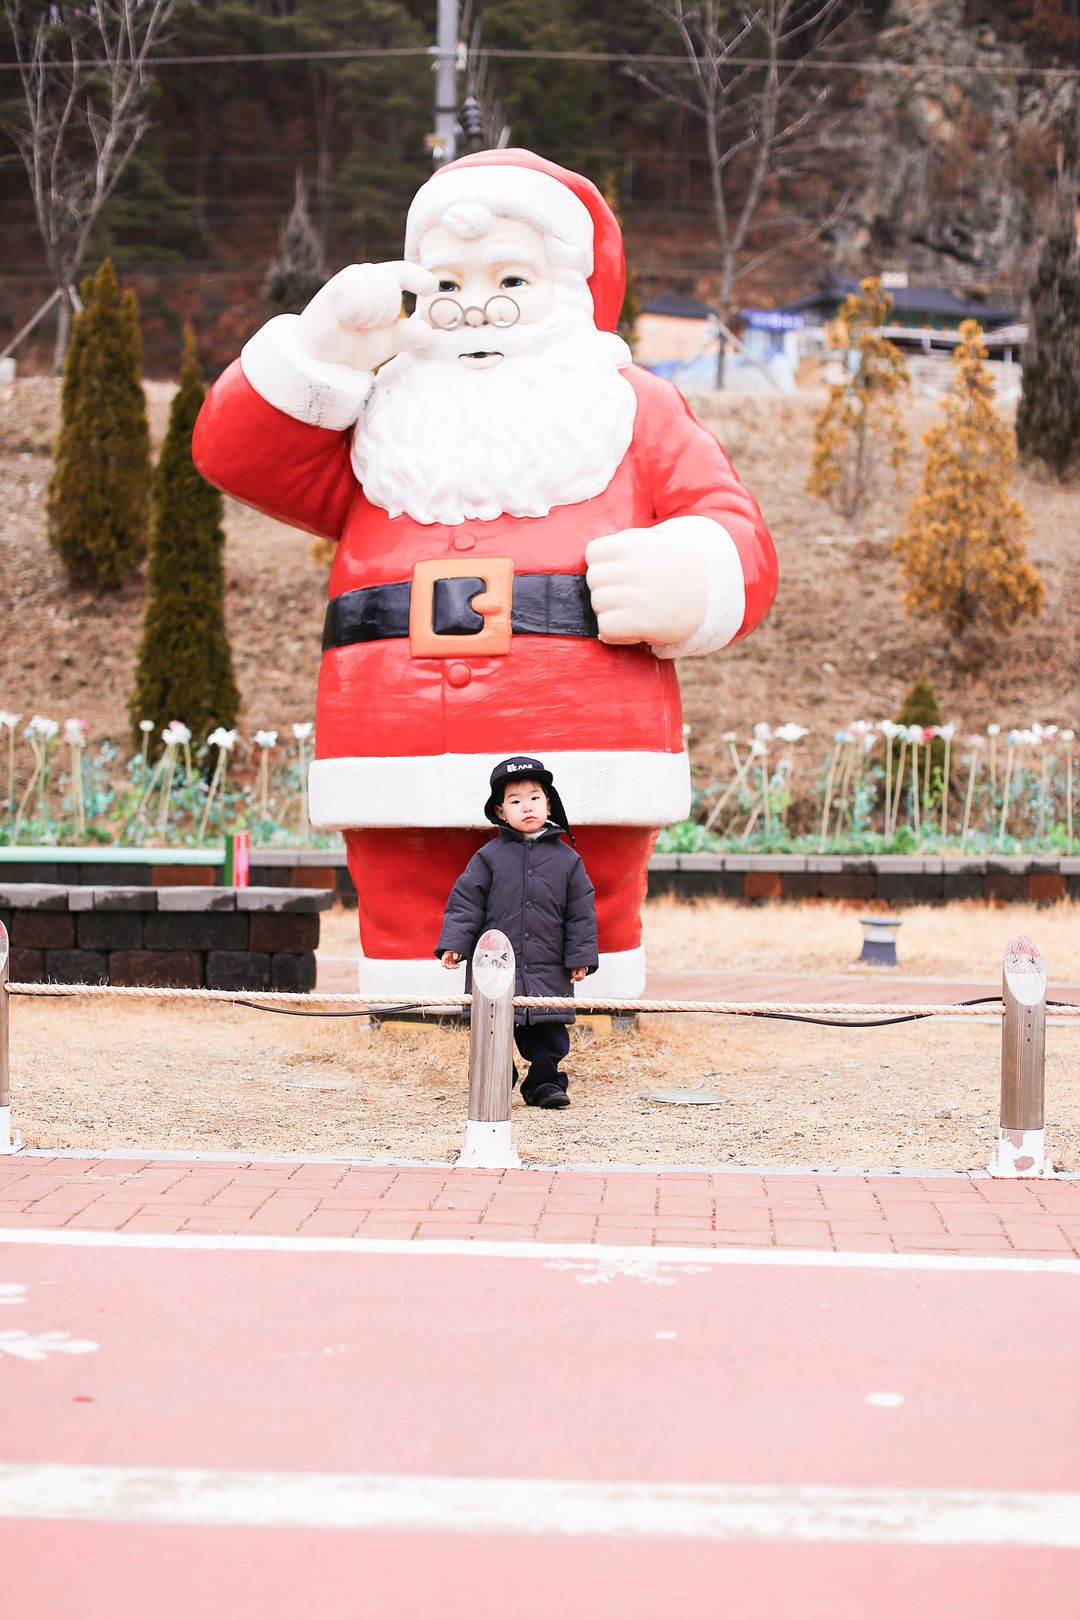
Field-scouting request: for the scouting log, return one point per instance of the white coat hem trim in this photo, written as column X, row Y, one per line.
column 621, row 973
column 635, row 788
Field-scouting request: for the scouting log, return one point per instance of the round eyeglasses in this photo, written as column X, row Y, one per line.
column 447, row 313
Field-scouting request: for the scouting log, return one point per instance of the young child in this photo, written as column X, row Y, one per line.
column 535, row 889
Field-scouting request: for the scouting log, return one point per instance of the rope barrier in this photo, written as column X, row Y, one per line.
column 274, row 999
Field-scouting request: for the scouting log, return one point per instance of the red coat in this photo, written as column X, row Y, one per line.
column 405, row 740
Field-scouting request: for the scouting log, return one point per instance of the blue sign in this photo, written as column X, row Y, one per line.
column 773, row 320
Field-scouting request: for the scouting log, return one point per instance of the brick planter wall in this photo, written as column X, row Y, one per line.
column 896, row 880
column 179, row 936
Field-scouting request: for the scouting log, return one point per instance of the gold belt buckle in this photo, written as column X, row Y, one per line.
column 493, row 604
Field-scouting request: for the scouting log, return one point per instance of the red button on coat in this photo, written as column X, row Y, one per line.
column 458, row 674
column 464, row 541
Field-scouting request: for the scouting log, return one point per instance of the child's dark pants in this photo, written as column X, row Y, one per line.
column 543, row 1046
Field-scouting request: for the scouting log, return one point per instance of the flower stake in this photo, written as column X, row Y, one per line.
column 948, row 733
column 915, row 735
column 976, row 743
column 762, row 734
column 302, row 731
column 1010, row 751
column 827, row 803
column 224, row 742
column 891, row 830
column 993, row 733
column 75, row 737
column 264, row 740
column 1067, row 739
column 10, row 721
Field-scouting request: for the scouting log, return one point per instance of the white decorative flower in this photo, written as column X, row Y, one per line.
column 175, row 734
column 1014, row 738
column 762, row 731
column 9, row 720
column 857, row 729
column 947, row 733
column 302, row 730
column 146, row 727
column 757, row 748
column 75, row 733
column 41, row 727
column 265, row 739
column 993, row 731
column 1068, row 736
column 914, row 734
column 220, row 738
column 791, row 733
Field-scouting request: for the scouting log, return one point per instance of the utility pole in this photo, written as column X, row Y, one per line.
column 444, row 142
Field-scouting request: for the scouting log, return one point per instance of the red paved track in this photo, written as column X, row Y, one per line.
column 890, row 1213
column 502, row 1366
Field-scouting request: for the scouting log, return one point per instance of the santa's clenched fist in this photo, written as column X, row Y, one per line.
column 646, row 585
column 356, row 319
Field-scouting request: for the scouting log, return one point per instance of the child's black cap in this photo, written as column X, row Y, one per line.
column 525, row 769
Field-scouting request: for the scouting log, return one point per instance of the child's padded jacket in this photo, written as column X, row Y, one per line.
column 537, row 892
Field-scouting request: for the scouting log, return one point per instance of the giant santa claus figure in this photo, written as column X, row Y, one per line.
column 530, row 530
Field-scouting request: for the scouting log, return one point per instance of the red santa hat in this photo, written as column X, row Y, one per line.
column 557, row 202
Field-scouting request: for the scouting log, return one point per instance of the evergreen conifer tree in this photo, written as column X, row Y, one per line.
column 184, row 669
column 300, row 268
column 860, row 426
column 963, row 556
column 1048, row 415
column 99, row 491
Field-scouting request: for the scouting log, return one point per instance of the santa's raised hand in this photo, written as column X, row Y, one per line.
column 647, row 585
column 356, row 319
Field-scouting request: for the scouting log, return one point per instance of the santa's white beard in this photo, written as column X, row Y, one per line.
column 545, row 427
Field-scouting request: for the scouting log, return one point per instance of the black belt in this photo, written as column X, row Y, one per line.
column 542, row 605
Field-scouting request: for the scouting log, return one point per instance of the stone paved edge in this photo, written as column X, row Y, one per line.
column 910, row 1214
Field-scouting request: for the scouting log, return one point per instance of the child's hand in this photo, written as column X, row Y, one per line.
column 451, row 959
column 577, row 974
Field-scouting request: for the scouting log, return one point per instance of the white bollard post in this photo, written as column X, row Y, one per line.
column 1021, row 1144
column 491, row 1056
column 8, row 1143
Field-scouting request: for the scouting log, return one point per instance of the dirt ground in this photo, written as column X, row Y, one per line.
column 963, row 941
column 91, row 1075
column 837, row 645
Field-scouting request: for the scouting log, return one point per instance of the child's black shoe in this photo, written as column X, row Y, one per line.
column 547, row 1095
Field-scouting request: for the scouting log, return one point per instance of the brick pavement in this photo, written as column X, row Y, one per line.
column 899, row 1214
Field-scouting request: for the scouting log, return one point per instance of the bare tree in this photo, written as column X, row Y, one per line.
column 764, row 126
column 85, row 82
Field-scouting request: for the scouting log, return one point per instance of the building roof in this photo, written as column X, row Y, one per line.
column 912, row 302
column 678, row 304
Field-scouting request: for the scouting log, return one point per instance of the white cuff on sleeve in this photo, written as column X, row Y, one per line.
column 282, row 372
column 725, row 588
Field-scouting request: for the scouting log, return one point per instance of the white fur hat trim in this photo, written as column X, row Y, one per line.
column 509, row 191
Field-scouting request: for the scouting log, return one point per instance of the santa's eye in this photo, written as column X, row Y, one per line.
column 512, row 281
column 447, row 286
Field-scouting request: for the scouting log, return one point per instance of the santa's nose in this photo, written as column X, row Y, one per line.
column 475, row 316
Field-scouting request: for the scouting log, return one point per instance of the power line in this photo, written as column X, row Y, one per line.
column 601, row 58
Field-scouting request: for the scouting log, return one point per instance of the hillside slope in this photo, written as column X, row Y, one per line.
column 837, row 645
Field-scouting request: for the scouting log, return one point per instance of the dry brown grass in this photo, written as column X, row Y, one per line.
column 87, row 1075
column 961, row 941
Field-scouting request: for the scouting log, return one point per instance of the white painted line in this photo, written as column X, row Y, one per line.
column 762, row 1171
column 604, row 1257
column 549, row 1507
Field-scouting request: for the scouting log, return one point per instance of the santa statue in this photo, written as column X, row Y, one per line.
column 530, row 531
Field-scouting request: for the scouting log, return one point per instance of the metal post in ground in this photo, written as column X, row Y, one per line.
column 1021, row 1146
column 8, row 1143
column 491, row 1056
